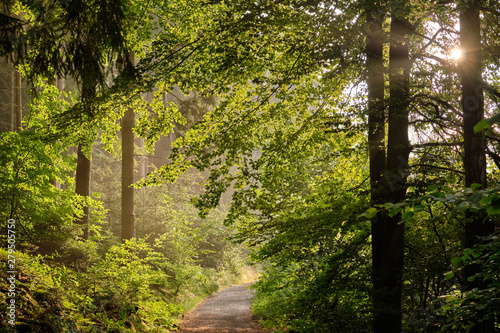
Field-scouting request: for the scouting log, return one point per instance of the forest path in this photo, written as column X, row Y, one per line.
column 227, row 311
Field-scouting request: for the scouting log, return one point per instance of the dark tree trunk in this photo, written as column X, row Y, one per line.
column 82, row 179
column 18, row 105
column 474, row 143
column 388, row 232
column 376, row 118
column 83, row 167
column 128, row 192
column 398, row 147
column 472, row 96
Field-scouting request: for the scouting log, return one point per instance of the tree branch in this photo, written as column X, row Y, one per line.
column 438, row 167
column 438, row 144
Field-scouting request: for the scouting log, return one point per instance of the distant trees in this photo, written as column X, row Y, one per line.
column 128, row 149
column 71, row 39
column 10, row 28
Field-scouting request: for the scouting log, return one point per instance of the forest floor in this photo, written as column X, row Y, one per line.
column 227, row 311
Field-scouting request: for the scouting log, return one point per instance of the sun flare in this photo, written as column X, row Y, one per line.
column 456, row 54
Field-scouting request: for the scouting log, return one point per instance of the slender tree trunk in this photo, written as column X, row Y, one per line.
column 376, row 143
column 12, row 101
column 82, row 179
column 17, row 96
column 7, row 109
column 10, row 87
column 143, row 160
column 142, row 156
column 59, row 84
column 388, row 232
column 474, row 143
column 83, row 168
column 128, row 192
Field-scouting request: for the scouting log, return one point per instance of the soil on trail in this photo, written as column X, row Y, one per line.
column 227, row 311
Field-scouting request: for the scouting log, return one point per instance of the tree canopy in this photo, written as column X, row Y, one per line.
column 360, row 154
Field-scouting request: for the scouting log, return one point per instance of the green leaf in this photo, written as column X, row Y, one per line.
column 418, row 208
column 475, row 186
column 468, row 252
column 494, row 207
column 396, row 208
column 456, row 261
column 487, row 199
column 407, row 215
column 485, row 123
column 432, row 188
column 481, row 125
column 495, row 119
column 388, row 205
column 370, row 212
column 449, row 275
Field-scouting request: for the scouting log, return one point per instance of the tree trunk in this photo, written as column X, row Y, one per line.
column 7, row 109
column 474, row 143
column 128, row 192
column 388, row 232
column 82, row 179
column 376, row 118
column 17, row 96
column 143, row 159
column 83, row 168
column 472, row 96
column 9, row 80
column 59, row 84
column 398, row 146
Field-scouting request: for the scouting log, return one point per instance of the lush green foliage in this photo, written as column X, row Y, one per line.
column 32, row 162
column 135, row 287
column 100, row 285
column 464, row 309
column 285, row 135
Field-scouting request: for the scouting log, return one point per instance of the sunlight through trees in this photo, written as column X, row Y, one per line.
column 345, row 153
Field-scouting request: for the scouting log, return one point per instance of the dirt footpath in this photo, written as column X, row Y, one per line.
column 227, row 311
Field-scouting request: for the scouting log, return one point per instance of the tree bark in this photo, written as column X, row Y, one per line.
column 388, row 232
column 143, row 160
column 17, row 96
column 83, row 168
column 8, row 81
column 82, row 180
column 376, row 118
column 398, row 146
column 128, row 192
column 474, row 143
column 7, row 109
column 472, row 96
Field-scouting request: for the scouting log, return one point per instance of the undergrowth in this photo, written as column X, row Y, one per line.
column 133, row 288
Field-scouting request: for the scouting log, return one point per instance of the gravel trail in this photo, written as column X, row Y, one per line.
column 227, row 311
